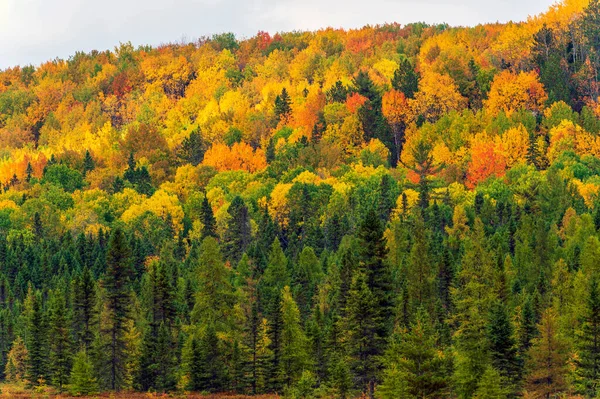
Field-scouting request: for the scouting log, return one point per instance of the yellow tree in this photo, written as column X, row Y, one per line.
column 397, row 112
column 511, row 92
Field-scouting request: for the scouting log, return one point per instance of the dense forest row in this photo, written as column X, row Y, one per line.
column 394, row 211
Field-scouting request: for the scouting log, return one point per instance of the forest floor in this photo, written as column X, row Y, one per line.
column 19, row 392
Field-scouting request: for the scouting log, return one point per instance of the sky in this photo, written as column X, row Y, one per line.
column 34, row 31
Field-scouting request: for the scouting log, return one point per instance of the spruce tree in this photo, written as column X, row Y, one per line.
column 82, row 379
column 60, row 342
column 88, row 163
column 209, row 222
column 238, row 235
column 294, row 344
column 547, row 361
column 503, row 348
column 588, row 344
column 415, row 366
column 491, row 386
column 85, row 313
column 118, row 306
column 36, row 339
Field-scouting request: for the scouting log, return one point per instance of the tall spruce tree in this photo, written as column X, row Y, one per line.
column 238, row 235
column 60, row 343
column 588, row 344
column 118, row 307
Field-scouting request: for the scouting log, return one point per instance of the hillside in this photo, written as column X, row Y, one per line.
column 395, row 211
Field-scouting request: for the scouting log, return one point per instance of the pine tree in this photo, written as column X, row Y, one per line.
column 472, row 298
column 28, row 172
column 118, row 304
column 547, row 362
column 215, row 297
column 420, row 274
column 193, row 149
column 414, row 366
column 294, row 344
column 88, row 163
column 85, row 313
column 209, row 222
column 503, row 348
column 83, row 381
column 369, row 308
column 282, row 105
column 307, row 276
column 60, row 342
column 491, row 386
column 207, row 367
column 238, row 235
column 588, row 343
column 37, row 371
column 406, row 79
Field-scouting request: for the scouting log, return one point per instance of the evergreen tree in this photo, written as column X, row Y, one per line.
column 588, row 362
column 282, row 105
column 405, row 79
column 85, row 313
column 28, row 172
column 37, row 347
column 193, row 148
column 88, row 163
column 82, row 379
column 414, row 366
column 209, row 222
column 238, row 234
column 207, row 367
column 490, row 386
column 60, row 342
column 118, row 305
column 503, row 348
column 294, row 344
column 370, row 304
column 547, row 362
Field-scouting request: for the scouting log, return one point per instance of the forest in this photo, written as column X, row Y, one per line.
column 389, row 212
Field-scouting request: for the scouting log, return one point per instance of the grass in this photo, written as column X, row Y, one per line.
column 16, row 391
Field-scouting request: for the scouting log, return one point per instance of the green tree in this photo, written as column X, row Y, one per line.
column 294, row 344
column 406, row 79
column 36, row 338
column 60, row 342
column 83, row 381
column 238, row 235
column 588, row 344
column 118, row 306
column 209, row 222
column 85, row 312
column 547, row 362
column 415, row 367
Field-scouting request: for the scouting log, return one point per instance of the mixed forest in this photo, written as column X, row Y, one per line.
column 389, row 212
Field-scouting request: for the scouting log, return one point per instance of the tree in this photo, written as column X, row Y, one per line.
column 547, row 363
column 18, row 359
column 207, row 367
column 117, row 307
column 414, row 366
column 215, row 297
column 83, row 381
column 85, row 313
column 209, row 222
column 405, row 79
column 37, row 346
column 282, row 105
column 294, row 344
column 238, row 234
column 88, row 163
column 503, row 348
column 60, row 344
column 490, row 386
column 588, row 344
column 192, row 149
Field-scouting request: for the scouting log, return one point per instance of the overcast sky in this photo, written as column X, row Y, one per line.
column 33, row 31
